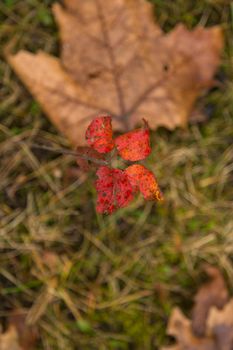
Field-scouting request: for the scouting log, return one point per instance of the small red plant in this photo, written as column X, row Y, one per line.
column 116, row 187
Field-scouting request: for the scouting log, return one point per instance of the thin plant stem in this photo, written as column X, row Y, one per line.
column 69, row 152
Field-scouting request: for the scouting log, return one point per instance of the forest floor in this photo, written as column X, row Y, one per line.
column 106, row 283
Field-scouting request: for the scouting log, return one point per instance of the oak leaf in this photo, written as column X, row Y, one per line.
column 115, row 60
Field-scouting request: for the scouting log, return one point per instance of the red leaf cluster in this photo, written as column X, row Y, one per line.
column 115, row 187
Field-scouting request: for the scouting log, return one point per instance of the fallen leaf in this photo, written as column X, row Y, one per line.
column 220, row 325
column 180, row 327
column 113, row 189
column 224, row 337
column 212, row 293
column 10, row 340
column 217, row 317
column 216, row 325
column 19, row 335
column 115, row 60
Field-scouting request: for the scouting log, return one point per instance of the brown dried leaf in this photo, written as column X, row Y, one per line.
column 220, row 325
column 216, row 325
column 19, row 336
column 116, row 61
column 217, row 317
column 213, row 293
column 180, row 328
column 10, row 340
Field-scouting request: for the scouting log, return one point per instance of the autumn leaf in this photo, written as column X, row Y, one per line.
column 9, row 340
column 180, row 328
column 134, row 145
column 220, row 325
column 90, row 157
column 99, row 134
column 113, row 188
column 19, row 335
column 212, row 293
column 144, row 180
column 116, row 61
column 215, row 315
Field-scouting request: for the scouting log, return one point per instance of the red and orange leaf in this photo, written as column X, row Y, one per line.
column 99, row 134
column 87, row 157
column 134, row 145
column 144, row 180
column 113, row 188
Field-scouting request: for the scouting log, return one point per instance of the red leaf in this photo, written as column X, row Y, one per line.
column 99, row 134
column 113, row 188
column 134, row 145
column 144, row 180
column 89, row 154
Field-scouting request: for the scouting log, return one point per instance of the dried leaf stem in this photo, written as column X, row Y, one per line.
column 69, row 152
